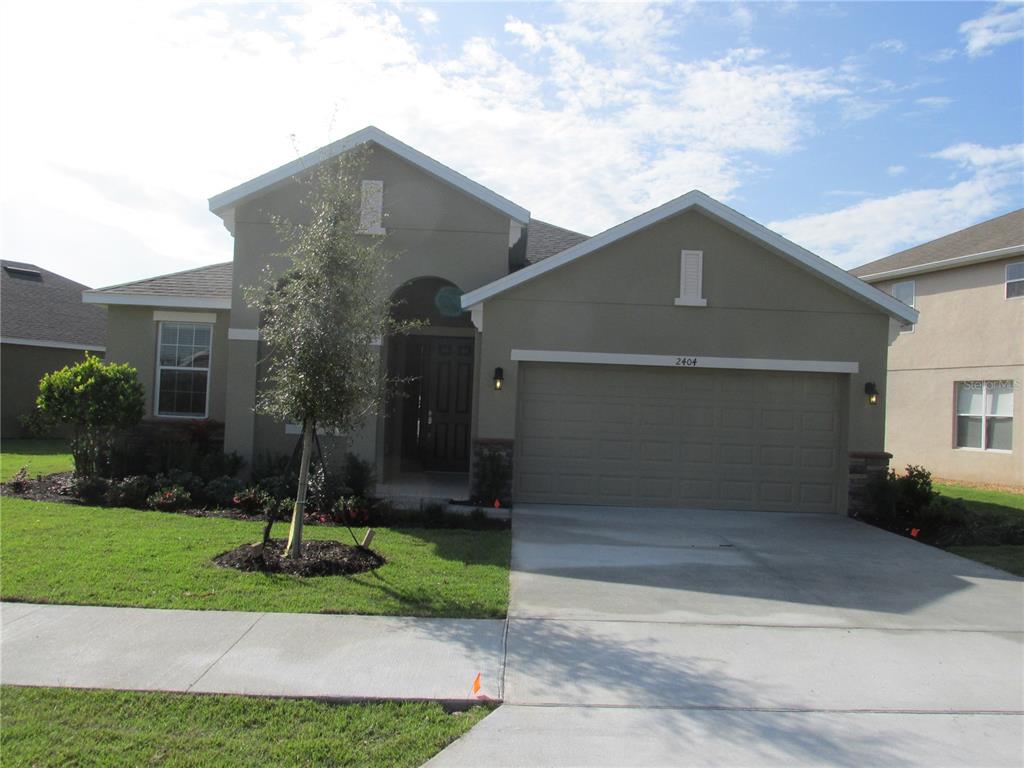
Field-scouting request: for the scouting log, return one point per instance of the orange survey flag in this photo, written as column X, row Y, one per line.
column 476, row 683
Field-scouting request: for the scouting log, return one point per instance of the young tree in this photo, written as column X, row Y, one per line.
column 322, row 318
column 97, row 399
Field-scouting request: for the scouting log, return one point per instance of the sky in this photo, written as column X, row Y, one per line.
column 854, row 129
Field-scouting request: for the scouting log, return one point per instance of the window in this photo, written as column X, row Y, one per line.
column 691, row 279
column 904, row 292
column 984, row 415
column 183, row 370
column 371, row 210
column 1015, row 280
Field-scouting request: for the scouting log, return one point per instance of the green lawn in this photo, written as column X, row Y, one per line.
column 61, row 553
column 42, row 457
column 1002, row 506
column 62, row 727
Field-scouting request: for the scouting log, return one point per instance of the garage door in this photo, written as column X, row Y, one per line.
column 634, row 436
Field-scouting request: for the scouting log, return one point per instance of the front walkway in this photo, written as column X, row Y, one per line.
column 274, row 654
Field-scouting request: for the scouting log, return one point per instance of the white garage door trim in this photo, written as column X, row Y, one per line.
column 684, row 361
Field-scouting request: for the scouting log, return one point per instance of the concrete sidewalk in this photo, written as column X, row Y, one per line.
column 273, row 654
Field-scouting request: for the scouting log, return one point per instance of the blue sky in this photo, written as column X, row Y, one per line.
column 855, row 129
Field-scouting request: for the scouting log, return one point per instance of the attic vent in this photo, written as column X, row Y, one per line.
column 23, row 273
column 371, row 211
column 691, row 279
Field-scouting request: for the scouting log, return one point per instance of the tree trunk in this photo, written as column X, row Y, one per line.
column 294, row 549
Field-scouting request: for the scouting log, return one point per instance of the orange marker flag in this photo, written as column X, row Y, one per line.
column 476, row 684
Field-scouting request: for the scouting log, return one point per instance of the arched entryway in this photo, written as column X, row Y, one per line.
column 427, row 424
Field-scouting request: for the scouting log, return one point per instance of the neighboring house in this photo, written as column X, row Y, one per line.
column 687, row 357
column 954, row 403
column 44, row 326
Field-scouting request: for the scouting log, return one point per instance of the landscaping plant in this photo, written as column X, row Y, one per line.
column 322, row 318
column 97, row 399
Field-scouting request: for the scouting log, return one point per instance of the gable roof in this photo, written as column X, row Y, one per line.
column 544, row 240
column 993, row 239
column 224, row 204
column 42, row 308
column 201, row 288
column 697, row 200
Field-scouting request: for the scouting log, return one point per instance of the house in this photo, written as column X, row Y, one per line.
column 686, row 357
column 44, row 326
column 954, row 403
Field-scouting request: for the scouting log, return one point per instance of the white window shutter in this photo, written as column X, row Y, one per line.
column 691, row 278
column 371, row 212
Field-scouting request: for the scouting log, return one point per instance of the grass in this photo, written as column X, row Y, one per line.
column 41, row 457
column 60, row 727
column 998, row 506
column 62, row 553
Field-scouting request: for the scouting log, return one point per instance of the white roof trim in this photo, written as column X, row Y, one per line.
column 697, row 199
column 225, row 202
column 154, row 300
column 52, row 344
column 951, row 263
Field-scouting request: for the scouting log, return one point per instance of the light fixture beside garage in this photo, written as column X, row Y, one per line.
column 872, row 392
column 499, row 378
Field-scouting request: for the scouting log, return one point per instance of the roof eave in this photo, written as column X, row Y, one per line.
column 697, row 199
column 224, row 203
column 104, row 298
column 942, row 264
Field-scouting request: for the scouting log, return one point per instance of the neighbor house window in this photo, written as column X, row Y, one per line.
column 691, row 279
column 1015, row 280
column 371, row 209
column 183, row 370
column 984, row 415
column 904, row 292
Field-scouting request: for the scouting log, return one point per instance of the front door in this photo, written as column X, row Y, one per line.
column 441, row 407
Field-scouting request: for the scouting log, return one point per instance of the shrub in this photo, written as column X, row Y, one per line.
column 189, row 481
column 35, row 423
column 97, row 399
column 169, row 499
column 19, row 483
column 324, row 490
column 131, row 492
column 351, row 510
column 897, row 502
column 253, row 501
column 280, row 487
column 492, row 477
column 220, row 492
column 214, row 465
column 91, row 490
column 358, row 476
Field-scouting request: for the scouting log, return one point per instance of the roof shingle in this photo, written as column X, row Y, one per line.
column 543, row 240
column 210, row 282
column 39, row 305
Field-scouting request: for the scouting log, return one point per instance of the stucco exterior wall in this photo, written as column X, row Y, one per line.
column 22, row 368
column 968, row 331
column 621, row 300
column 132, row 338
column 435, row 230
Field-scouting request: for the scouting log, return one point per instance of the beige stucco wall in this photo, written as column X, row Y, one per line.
column 22, row 368
column 132, row 338
column 968, row 331
column 620, row 299
column 435, row 230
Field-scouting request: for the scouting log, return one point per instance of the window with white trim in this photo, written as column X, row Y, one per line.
column 1015, row 280
column 904, row 292
column 691, row 279
column 183, row 370
column 984, row 415
column 371, row 209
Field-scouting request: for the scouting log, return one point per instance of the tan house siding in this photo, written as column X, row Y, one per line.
column 968, row 331
column 435, row 230
column 22, row 368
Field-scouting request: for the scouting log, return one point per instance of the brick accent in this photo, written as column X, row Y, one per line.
column 492, row 446
column 864, row 467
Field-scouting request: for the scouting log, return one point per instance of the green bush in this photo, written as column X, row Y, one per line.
column 253, row 501
column 169, row 499
column 130, row 492
column 220, row 492
column 89, row 489
column 189, row 481
column 97, row 399
column 358, row 476
column 492, row 478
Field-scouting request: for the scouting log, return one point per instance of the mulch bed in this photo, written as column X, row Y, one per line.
column 319, row 558
column 55, row 487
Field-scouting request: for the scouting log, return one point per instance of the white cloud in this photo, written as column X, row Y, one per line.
column 890, row 46
column 427, row 16
column 998, row 26
column 896, row 170
column 934, row 102
column 877, row 227
column 942, row 55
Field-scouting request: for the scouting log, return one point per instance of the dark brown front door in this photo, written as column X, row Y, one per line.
column 442, row 404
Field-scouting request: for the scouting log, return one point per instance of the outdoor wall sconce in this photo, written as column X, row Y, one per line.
column 872, row 392
column 499, row 378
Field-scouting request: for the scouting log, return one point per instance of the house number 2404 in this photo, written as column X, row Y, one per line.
column 687, row 362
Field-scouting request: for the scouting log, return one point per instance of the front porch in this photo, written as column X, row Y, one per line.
column 417, row 489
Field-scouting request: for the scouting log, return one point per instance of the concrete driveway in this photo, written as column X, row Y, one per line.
column 663, row 637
